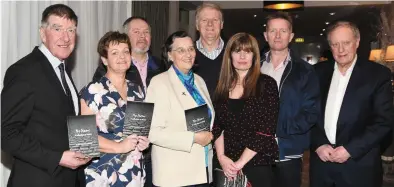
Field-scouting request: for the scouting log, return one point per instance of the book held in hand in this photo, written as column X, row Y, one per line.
column 82, row 135
column 138, row 118
column 197, row 119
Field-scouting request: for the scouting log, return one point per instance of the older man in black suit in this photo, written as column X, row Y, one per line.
column 37, row 97
column 357, row 105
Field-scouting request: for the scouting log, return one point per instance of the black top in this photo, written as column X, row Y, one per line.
column 251, row 126
column 209, row 69
column 235, row 105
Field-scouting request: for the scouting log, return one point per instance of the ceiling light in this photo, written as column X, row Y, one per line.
column 332, row 13
column 283, row 5
column 255, row 15
column 321, row 34
column 324, row 29
column 265, row 25
column 327, row 23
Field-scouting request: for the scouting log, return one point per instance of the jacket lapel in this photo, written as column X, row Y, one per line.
column 50, row 73
column 185, row 99
column 325, row 83
column 77, row 93
column 355, row 82
column 207, row 99
column 53, row 78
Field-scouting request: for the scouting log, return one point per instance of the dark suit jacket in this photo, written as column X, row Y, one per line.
column 34, row 108
column 364, row 119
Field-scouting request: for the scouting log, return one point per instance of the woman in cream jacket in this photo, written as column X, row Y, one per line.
column 179, row 157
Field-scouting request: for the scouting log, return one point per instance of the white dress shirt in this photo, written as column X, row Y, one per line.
column 55, row 62
column 335, row 96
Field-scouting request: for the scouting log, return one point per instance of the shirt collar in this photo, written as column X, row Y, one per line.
column 136, row 62
column 350, row 69
column 268, row 57
column 200, row 46
column 55, row 62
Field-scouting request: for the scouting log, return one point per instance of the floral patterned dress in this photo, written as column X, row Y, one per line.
column 113, row 170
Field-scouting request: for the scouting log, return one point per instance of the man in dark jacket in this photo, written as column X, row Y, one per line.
column 143, row 67
column 37, row 97
column 357, row 113
column 299, row 99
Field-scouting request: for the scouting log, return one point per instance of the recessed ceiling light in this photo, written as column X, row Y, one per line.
column 255, row 15
column 332, row 13
column 318, row 46
column 327, row 23
column 265, row 25
column 321, row 34
column 324, row 29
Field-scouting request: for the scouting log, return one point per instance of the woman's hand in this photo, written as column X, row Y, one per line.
column 143, row 143
column 203, row 138
column 128, row 144
column 239, row 164
column 228, row 166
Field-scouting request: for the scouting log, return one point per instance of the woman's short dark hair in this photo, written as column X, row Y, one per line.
column 60, row 10
column 167, row 47
column 111, row 37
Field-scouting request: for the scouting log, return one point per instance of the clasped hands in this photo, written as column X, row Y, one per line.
column 328, row 153
column 230, row 168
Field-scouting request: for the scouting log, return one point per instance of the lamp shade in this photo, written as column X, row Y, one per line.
column 390, row 54
column 283, row 5
column 375, row 55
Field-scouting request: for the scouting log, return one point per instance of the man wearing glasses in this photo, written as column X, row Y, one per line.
column 37, row 97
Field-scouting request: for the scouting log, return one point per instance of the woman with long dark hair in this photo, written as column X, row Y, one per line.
column 246, row 103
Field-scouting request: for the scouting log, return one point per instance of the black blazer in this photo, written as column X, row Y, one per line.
column 366, row 115
column 34, row 108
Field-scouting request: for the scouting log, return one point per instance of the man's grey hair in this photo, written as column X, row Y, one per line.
column 348, row 24
column 209, row 5
column 127, row 22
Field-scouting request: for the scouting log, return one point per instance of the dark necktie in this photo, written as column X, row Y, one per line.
column 65, row 85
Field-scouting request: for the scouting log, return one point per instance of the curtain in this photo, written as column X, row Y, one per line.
column 156, row 13
column 20, row 22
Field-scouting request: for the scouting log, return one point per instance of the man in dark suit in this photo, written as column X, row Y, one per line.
column 357, row 106
column 36, row 99
column 143, row 67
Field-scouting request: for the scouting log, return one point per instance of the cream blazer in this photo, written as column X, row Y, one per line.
column 176, row 160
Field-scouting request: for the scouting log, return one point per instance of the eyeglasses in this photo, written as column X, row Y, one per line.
column 182, row 51
column 59, row 30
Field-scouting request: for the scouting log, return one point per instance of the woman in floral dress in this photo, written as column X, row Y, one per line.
column 120, row 163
